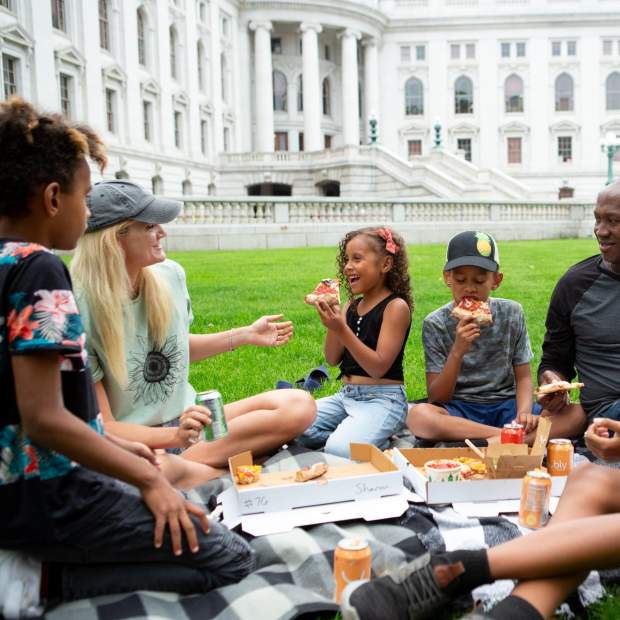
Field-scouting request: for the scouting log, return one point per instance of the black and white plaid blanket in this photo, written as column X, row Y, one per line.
column 294, row 572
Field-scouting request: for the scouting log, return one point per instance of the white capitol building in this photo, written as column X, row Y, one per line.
column 473, row 99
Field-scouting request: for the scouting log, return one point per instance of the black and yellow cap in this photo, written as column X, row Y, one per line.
column 472, row 249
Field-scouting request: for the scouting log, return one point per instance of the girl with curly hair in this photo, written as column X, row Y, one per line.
column 367, row 339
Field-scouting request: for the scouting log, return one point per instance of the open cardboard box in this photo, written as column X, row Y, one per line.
column 276, row 503
column 506, row 466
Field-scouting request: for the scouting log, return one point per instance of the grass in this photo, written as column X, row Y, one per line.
column 229, row 289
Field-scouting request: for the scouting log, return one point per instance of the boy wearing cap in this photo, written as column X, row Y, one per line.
column 478, row 376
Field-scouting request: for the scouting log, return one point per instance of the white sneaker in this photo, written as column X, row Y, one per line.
column 20, row 583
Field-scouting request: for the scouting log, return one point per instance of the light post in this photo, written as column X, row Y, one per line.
column 610, row 146
column 372, row 121
column 437, row 128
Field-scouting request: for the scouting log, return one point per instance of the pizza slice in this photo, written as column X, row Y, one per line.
column 469, row 307
column 327, row 290
column 557, row 386
column 308, row 473
column 247, row 474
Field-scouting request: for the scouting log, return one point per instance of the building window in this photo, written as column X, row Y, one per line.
column 327, row 142
column 110, row 109
column 279, row 91
column 414, row 148
column 565, row 148
column 463, row 96
column 327, row 52
column 186, row 187
column 224, row 26
column 104, row 25
column 301, row 47
column 564, row 97
column 204, row 137
column 281, row 141
column 147, row 118
column 276, row 46
column 455, row 51
column 514, row 150
column 326, row 98
column 10, row 75
column 202, row 11
column 608, row 48
column 224, row 77
column 227, row 139
column 141, row 37
column 173, row 51
column 300, row 93
column 58, row 15
column 405, row 53
column 556, row 48
column 200, row 52
column 513, row 93
column 301, row 141
column 505, row 50
column 612, row 91
column 571, row 48
column 464, row 144
column 178, row 129
column 470, row 51
column 414, row 97
column 65, row 95
column 420, row 52
column 7, row 4
column 157, row 185
column 520, row 50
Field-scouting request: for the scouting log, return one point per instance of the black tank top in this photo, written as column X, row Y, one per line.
column 367, row 328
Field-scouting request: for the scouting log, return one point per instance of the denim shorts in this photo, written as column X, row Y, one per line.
column 171, row 424
column 358, row 414
column 492, row 414
column 612, row 412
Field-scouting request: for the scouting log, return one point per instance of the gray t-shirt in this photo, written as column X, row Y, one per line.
column 487, row 373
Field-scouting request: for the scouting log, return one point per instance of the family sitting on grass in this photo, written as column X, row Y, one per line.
column 98, row 410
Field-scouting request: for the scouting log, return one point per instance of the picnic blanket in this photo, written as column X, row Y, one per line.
column 294, row 571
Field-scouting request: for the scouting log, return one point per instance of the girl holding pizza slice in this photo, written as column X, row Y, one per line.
column 367, row 339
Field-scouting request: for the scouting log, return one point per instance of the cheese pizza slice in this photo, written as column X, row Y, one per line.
column 327, row 290
column 469, row 307
column 557, row 386
column 308, row 473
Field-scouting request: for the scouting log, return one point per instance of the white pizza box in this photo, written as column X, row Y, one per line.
column 410, row 460
column 262, row 524
column 495, row 508
column 373, row 476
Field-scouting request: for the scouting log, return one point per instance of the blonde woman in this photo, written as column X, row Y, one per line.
column 137, row 314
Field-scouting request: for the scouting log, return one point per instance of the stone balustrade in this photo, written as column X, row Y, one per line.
column 261, row 222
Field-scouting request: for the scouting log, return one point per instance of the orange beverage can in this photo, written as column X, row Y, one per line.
column 535, row 496
column 560, row 457
column 351, row 562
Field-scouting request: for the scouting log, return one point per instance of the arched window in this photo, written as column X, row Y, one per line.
column 202, row 11
column 224, row 77
column 564, row 93
column 513, row 93
column 327, row 107
column 141, row 37
column 186, row 187
column 200, row 54
column 463, row 96
column 279, row 91
column 157, row 185
column 104, row 24
column 414, row 96
column 300, row 93
column 612, row 91
column 173, row 51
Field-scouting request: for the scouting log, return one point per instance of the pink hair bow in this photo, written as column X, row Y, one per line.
column 386, row 235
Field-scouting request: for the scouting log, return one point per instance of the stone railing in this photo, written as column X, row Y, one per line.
column 268, row 222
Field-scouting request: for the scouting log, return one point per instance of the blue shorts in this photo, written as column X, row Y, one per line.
column 612, row 412
column 492, row 414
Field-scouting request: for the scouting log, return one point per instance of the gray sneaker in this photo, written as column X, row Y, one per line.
column 409, row 593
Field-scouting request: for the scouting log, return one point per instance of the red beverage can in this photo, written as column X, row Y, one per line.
column 512, row 433
column 535, row 496
column 352, row 560
column 560, row 457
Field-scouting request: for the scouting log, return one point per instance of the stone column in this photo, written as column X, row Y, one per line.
column 311, row 87
column 371, row 82
column 350, row 106
column 263, row 86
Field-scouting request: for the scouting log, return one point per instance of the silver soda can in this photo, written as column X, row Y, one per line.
column 212, row 400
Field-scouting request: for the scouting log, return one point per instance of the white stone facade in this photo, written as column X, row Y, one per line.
column 209, row 97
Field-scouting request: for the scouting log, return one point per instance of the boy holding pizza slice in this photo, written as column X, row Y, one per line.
column 477, row 352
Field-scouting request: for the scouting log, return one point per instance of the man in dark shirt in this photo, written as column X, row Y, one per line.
column 583, row 330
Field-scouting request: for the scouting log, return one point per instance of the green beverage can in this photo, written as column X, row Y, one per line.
column 212, row 400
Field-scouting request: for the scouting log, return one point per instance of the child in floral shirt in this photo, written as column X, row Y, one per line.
column 59, row 500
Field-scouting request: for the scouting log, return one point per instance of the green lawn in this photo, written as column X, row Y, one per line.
column 229, row 289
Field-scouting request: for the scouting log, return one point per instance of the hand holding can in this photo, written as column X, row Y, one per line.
column 212, row 400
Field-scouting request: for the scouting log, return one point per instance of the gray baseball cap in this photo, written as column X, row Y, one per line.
column 111, row 202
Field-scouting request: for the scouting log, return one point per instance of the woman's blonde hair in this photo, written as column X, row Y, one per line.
column 98, row 268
